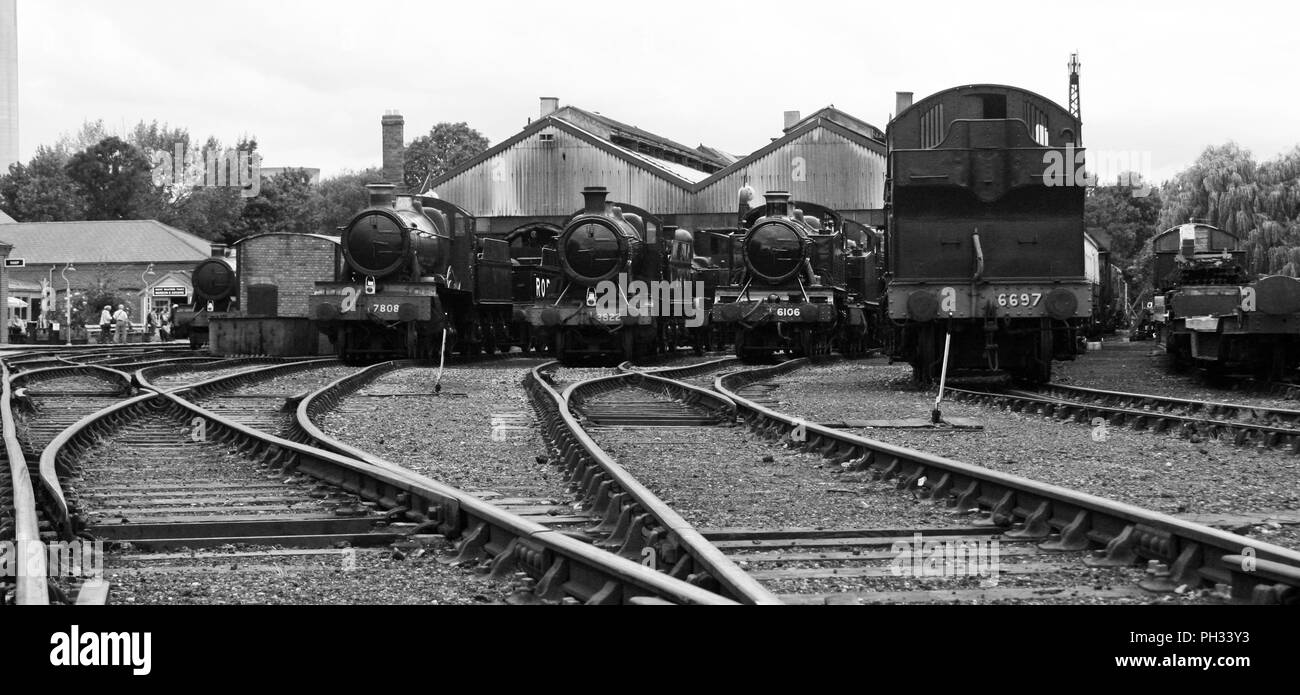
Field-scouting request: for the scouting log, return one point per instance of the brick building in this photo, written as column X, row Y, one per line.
column 143, row 263
column 278, row 271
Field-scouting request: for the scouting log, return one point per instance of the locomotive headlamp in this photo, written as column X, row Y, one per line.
column 370, row 284
column 591, row 296
column 211, row 306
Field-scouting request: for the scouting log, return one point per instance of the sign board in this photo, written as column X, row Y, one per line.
column 170, row 292
column 15, row 262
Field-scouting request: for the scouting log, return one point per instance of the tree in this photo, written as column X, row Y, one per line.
column 42, row 191
column 1130, row 221
column 114, row 177
column 342, row 196
column 446, row 146
column 286, row 203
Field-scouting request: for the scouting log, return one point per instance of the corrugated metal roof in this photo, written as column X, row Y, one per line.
column 607, row 128
column 105, row 241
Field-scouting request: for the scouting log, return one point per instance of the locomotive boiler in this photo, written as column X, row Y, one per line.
column 215, row 286
column 412, row 281
column 801, row 286
column 625, row 287
column 985, row 233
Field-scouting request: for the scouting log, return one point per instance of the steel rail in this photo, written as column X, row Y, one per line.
column 31, row 560
column 562, row 566
column 633, row 516
column 624, row 527
column 1118, row 415
column 1063, row 519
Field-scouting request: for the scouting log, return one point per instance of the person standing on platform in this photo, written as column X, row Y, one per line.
column 105, row 324
column 122, row 322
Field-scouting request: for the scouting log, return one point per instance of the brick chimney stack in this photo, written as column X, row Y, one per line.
column 394, row 148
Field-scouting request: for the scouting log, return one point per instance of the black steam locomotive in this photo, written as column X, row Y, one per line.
column 626, row 287
column 801, row 285
column 215, row 286
column 985, row 233
column 413, row 282
column 1214, row 314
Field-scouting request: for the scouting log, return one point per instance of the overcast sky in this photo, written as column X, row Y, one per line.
column 311, row 79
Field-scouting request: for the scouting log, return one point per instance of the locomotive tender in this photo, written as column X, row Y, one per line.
column 984, row 233
column 801, row 287
column 413, row 282
column 626, row 287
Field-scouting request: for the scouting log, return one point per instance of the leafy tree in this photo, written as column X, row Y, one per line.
column 1129, row 220
column 114, row 177
column 42, row 190
column 342, row 196
column 286, row 203
column 446, row 145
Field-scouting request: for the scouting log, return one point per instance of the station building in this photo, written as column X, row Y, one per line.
column 145, row 263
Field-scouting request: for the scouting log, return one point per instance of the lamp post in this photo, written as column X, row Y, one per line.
column 68, row 311
column 144, row 292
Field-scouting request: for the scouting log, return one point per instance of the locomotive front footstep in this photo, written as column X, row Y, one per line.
column 947, row 423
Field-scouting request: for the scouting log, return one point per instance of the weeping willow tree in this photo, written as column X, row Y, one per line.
column 1260, row 203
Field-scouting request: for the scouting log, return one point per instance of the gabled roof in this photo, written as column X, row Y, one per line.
column 690, row 179
column 830, row 113
column 680, row 175
column 106, row 241
column 795, row 132
column 5, row 219
column 641, row 141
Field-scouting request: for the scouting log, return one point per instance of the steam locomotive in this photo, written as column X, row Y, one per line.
column 626, row 286
column 985, row 233
column 215, row 286
column 1213, row 314
column 800, row 286
column 411, row 281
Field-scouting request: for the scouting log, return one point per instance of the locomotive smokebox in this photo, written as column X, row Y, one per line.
column 778, row 204
column 593, row 199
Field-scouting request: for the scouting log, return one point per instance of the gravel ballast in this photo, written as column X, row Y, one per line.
column 484, row 441
column 1155, row 471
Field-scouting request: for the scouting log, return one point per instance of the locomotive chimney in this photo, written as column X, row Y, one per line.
column 549, row 106
column 394, row 149
column 778, row 204
column 902, row 100
column 381, row 194
column 791, row 118
column 593, row 198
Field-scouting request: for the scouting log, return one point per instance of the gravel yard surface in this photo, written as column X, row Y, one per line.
column 1140, row 368
column 483, row 441
column 251, row 575
column 73, row 383
column 295, row 383
column 1155, row 471
column 727, row 477
column 192, row 376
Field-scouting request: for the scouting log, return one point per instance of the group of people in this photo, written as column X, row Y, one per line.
column 114, row 325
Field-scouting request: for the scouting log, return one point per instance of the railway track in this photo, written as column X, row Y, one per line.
column 633, row 521
column 1246, row 425
column 1061, row 526
column 608, row 520
column 138, row 477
